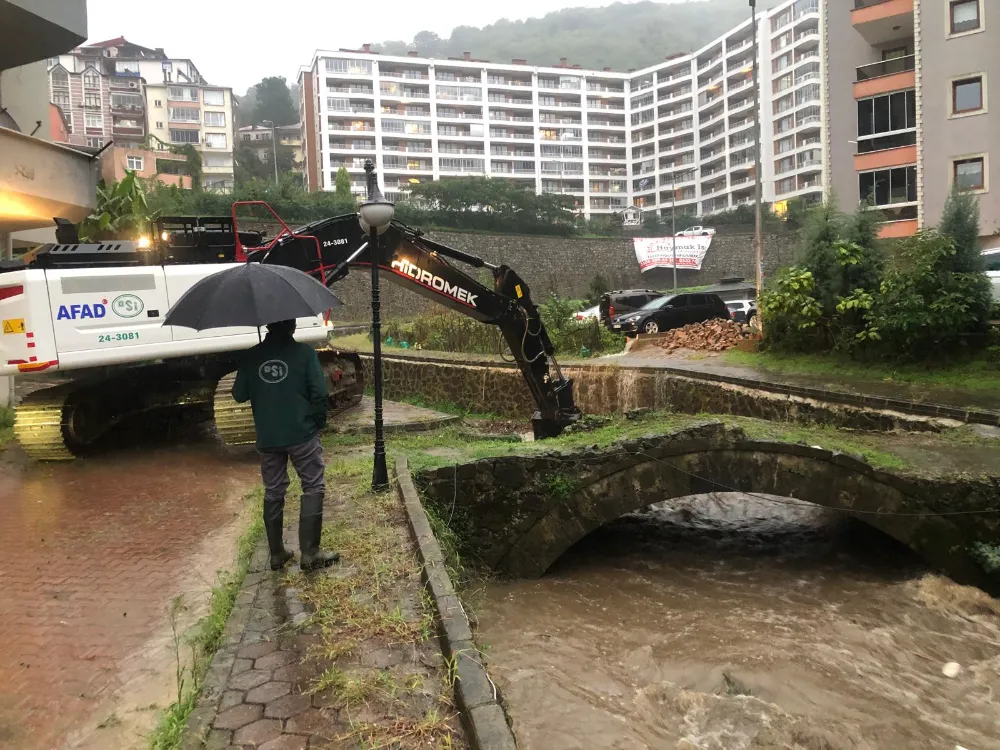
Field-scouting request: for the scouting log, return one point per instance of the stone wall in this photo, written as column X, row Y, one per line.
column 518, row 514
column 604, row 389
column 567, row 265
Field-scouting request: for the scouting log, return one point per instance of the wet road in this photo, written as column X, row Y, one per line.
column 91, row 555
column 728, row 622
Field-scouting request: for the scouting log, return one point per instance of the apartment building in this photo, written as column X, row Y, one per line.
column 681, row 131
column 120, row 91
column 908, row 85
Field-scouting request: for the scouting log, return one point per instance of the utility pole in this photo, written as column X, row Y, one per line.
column 758, row 242
column 274, row 148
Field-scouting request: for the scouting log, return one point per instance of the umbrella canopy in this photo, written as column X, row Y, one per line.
column 252, row 294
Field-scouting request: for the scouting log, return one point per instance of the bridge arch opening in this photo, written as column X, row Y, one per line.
column 831, row 481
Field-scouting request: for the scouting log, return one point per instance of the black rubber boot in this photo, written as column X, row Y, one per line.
column 310, row 531
column 274, row 526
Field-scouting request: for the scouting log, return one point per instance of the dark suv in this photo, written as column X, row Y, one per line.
column 624, row 301
column 671, row 312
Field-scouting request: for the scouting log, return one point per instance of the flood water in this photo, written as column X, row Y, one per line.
column 725, row 622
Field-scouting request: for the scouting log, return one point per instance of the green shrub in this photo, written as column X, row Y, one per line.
column 925, row 309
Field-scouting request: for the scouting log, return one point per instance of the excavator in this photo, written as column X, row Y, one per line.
column 88, row 317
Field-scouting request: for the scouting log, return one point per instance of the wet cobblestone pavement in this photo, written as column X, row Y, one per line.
column 91, row 555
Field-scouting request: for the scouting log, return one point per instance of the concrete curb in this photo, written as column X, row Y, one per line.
column 476, row 697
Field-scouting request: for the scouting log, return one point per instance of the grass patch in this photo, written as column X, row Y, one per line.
column 454, row 445
column 373, row 601
column 977, row 376
column 6, row 425
column 206, row 636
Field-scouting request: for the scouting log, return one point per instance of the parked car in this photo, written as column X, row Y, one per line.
column 623, row 301
column 742, row 311
column 698, row 231
column 671, row 312
column 590, row 312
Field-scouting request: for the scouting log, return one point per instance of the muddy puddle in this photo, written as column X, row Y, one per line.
column 726, row 622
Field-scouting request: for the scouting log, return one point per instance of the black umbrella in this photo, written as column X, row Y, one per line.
column 252, row 294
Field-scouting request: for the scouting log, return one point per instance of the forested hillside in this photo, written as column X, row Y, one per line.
column 619, row 36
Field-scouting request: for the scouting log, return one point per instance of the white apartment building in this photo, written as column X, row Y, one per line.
column 681, row 129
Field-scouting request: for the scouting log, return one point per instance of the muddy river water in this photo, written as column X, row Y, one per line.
column 725, row 622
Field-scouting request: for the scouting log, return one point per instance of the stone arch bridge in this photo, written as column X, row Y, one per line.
column 518, row 514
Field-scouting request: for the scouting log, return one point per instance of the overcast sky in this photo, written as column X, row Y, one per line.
column 238, row 42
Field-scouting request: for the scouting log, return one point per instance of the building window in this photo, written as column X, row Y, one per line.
column 215, row 119
column 184, row 114
column 967, row 95
column 157, row 102
column 886, row 187
column 91, row 80
column 52, row 61
column 215, row 140
column 182, row 94
column 183, row 136
column 60, row 78
column 357, row 67
column 134, row 163
column 61, row 98
column 214, row 97
column 127, row 66
column 970, row 174
column 159, row 125
column 92, row 100
column 965, row 16
column 94, row 120
column 95, row 142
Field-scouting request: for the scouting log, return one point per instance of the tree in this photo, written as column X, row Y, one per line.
column 342, row 184
column 273, row 102
column 960, row 222
column 122, row 211
column 255, row 163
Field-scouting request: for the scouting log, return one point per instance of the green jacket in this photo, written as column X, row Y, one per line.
column 284, row 383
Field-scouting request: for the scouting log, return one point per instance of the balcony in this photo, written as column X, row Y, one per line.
column 884, row 77
column 40, row 180
column 883, row 21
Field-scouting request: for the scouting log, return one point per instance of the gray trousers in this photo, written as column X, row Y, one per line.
column 307, row 458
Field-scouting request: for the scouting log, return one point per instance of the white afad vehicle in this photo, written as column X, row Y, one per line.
column 698, row 231
column 95, row 312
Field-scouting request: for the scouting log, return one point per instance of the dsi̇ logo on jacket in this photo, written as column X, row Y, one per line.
column 273, row 371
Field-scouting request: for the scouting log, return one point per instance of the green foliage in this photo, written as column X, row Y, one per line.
column 288, row 198
column 256, row 163
column 449, row 331
column 960, row 222
column 792, row 312
column 598, row 286
column 620, row 36
column 488, row 204
column 272, row 101
column 122, row 211
column 342, row 185
column 924, row 308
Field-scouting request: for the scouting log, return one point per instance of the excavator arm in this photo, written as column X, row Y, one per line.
column 329, row 248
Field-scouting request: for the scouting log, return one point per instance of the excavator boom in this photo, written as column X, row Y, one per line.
column 329, row 248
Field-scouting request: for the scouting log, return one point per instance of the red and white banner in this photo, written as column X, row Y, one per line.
column 658, row 252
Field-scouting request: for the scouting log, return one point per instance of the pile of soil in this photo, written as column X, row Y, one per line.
column 711, row 336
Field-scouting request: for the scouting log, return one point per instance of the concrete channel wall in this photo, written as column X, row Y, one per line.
column 603, row 389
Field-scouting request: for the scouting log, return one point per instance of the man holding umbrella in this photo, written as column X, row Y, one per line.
column 284, row 383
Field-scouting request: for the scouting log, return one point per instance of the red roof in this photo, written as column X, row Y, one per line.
column 116, row 42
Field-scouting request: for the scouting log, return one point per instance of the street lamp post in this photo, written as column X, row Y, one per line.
column 758, row 241
column 374, row 216
column 274, row 148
